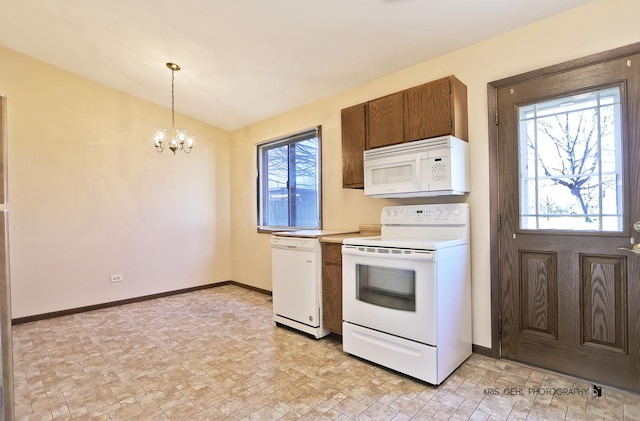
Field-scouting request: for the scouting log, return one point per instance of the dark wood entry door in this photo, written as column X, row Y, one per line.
column 570, row 298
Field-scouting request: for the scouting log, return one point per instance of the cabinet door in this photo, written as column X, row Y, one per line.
column 428, row 110
column 332, row 287
column 385, row 121
column 353, row 141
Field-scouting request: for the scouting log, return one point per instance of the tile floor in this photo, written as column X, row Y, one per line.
column 216, row 354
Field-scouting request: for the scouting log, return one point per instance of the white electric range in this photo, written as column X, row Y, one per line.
column 407, row 293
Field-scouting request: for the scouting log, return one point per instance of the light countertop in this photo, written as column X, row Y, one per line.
column 314, row 233
column 333, row 236
column 368, row 230
column 340, row 238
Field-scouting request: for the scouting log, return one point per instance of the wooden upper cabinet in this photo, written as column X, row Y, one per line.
column 385, row 121
column 436, row 108
column 354, row 133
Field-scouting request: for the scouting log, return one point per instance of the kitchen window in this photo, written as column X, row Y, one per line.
column 289, row 193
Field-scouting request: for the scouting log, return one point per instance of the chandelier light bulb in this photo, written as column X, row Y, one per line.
column 176, row 139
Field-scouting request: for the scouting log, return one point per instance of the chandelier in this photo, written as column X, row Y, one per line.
column 175, row 139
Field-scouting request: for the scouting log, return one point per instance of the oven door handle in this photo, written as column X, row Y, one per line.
column 389, row 253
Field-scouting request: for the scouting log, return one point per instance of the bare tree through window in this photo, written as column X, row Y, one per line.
column 570, row 162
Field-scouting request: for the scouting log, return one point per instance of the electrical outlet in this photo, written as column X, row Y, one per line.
column 116, row 278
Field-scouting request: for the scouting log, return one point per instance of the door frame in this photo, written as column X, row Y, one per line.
column 494, row 246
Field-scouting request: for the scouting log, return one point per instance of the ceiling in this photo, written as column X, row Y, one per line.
column 246, row 60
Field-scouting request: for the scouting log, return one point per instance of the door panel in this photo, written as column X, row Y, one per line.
column 569, row 295
column 604, row 302
column 538, row 283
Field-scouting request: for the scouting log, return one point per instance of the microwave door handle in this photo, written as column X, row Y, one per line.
column 418, row 169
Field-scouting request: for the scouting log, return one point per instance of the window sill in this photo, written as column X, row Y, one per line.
column 266, row 230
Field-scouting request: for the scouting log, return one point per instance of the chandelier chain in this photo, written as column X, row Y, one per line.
column 173, row 117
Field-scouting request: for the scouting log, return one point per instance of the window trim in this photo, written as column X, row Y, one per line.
column 276, row 142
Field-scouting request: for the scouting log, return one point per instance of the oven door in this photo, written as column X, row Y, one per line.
column 390, row 290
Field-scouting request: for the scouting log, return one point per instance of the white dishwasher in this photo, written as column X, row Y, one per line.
column 296, row 269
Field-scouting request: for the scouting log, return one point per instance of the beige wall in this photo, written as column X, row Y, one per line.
column 596, row 27
column 89, row 196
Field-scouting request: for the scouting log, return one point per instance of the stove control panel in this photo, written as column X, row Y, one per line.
column 439, row 214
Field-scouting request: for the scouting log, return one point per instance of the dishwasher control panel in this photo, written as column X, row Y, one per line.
column 295, row 243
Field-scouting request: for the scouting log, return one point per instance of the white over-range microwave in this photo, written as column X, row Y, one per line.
column 431, row 167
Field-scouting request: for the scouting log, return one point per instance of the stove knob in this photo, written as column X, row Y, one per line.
column 387, row 212
column 456, row 211
column 437, row 212
column 446, row 212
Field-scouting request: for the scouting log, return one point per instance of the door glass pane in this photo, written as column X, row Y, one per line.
column 570, row 163
column 386, row 287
